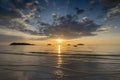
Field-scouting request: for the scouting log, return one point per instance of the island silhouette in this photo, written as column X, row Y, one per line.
column 80, row 44
column 19, row 43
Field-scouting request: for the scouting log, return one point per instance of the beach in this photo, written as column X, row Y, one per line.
column 59, row 62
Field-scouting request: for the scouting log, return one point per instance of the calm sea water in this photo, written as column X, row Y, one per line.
column 59, row 62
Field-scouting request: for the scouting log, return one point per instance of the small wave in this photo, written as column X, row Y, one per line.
column 75, row 55
column 67, row 69
column 25, row 54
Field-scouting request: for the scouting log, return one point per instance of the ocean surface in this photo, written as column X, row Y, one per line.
column 59, row 62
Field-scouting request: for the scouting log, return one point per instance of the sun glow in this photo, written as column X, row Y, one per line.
column 59, row 40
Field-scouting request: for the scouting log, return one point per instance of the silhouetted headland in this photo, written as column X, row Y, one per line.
column 14, row 43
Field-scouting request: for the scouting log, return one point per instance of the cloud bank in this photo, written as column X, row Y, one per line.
column 24, row 16
column 69, row 27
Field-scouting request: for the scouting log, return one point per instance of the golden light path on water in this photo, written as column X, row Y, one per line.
column 59, row 49
column 59, row 72
column 59, row 54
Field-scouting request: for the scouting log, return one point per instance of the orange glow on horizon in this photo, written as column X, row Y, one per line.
column 59, row 40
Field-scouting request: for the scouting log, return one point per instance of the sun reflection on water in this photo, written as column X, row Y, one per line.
column 59, row 55
column 59, row 49
column 59, row 72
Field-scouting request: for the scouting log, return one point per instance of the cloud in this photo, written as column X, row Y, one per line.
column 110, row 3
column 7, row 36
column 24, row 16
column 79, row 11
column 8, row 13
column 113, row 13
column 106, row 28
column 111, row 9
column 16, row 8
column 47, row 2
column 6, row 39
column 15, row 34
column 68, row 27
column 55, row 15
column 19, row 15
column 54, row 4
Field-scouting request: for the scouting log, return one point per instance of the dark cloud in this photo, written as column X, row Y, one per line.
column 113, row 13
column 111, row 8
column 8, row 13
column 79, row 11
column 18, row 15
column 68, row 27
column 24, row 16
column 14, row 8
column 106, row 3
column 110, row 3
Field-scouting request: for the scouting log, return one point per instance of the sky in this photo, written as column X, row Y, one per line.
column 82, row 21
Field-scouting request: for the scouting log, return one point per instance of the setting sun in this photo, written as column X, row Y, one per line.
column 59, row 40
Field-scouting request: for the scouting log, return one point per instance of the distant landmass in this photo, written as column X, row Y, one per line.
column 49, row 44
column 14, row 43
column 80, row 44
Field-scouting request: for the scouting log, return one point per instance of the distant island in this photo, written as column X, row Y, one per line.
column 14, row 43
column 68, row 44
column 49, row 44
column 75, row 45
column 80, row 44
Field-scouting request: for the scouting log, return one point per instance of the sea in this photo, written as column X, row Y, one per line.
column 60, row 62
